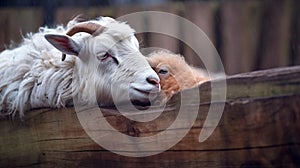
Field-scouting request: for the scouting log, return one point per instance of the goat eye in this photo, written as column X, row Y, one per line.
column 103, row 57
column 106, row 55
column 163, row 71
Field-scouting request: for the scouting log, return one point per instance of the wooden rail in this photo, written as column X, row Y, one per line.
column 259, row 128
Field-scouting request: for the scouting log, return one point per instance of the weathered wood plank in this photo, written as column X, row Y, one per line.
column 275, row 34
column 295, row 34
column 240, row 30
column 203, row 15
column 16, row 23
column 254, row 34
column 259, row 128
column 159, row 25
column 65, row 14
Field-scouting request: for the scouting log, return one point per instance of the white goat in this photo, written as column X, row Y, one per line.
column 102, row 53
column 174, row 73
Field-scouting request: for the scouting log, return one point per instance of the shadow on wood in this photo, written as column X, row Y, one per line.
column 259, row 128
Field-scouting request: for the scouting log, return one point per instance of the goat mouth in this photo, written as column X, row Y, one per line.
column 141, row 98
column 143, row 95
column 142, row 91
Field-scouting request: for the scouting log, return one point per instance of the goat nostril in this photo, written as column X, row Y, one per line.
column 153, row 81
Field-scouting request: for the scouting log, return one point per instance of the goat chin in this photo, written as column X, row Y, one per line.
column 143, row 99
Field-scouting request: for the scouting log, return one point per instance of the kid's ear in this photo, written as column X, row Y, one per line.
column 64, row 43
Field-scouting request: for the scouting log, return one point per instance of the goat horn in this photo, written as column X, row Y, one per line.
column 89, row 27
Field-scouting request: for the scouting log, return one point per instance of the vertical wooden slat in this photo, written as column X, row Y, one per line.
column 239, row 30
column 65, row 14
column 137, row 23
column 202, row 14
column 16, row 22
column 295, row 34
column 275, row 34
column 297, row 31
column 4, row 34
column 122, row 10
column 254, row 34
column 161, row 40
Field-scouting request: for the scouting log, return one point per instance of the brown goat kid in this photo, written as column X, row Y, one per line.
column 174, row 73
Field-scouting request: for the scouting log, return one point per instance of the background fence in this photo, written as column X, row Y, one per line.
column 249, row 35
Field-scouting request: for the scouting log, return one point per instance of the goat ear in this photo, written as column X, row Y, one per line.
column 64, row 43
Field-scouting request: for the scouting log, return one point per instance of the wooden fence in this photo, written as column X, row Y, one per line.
column 259, row 128
column 249, row 35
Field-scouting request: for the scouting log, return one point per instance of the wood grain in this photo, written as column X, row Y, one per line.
column 259, row 128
